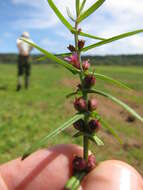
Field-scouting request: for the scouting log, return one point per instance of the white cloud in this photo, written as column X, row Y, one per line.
column 39, row 16
column 113, row 18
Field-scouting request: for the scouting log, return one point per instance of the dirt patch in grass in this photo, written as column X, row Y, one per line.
column 71, row 83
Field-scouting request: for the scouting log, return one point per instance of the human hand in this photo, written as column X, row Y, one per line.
column 50, row 169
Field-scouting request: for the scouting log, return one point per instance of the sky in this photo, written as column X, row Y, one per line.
column 36, row 17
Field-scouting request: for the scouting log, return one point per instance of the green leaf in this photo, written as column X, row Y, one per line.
column 78, row 134
column 59, row 15
column 45, row 139
column 110, row 80
column 74, row 182
column 52, row 57
column 42, row 58
column 87, row 35
column 125, row 106
column 77, row 7
column 105, row 124
column 92, row 137
column 90, row 36
column 71, row 94
column 82, row 6
column 63, row 54
column 89, row 11
column 97, row 140
column 109, row 40
column 70, row 15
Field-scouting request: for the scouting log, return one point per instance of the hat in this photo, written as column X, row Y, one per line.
column 26, row 35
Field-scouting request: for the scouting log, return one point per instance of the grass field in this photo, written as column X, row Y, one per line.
column 26, row 116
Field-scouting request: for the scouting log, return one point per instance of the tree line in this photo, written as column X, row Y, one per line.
column 125, row 60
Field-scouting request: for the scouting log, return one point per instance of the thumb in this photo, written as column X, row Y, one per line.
column 113, row 174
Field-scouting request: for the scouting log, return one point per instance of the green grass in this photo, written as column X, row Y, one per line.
column 26, row 116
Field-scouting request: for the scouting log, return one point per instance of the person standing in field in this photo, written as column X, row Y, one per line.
column 24, row 66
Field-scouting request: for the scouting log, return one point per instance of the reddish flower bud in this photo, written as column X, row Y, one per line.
column 73, row 59
column 92, row 104
column 79, row 30
column 93, row 126
column 77, row 65
column 79, row 125
column 71, row 48
column 89, row 81
column 81, row 44
column 91, row 162
column 79, row 164
column 85, row 65
column 80, row 104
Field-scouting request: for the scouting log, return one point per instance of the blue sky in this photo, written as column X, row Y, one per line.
column 37, row 18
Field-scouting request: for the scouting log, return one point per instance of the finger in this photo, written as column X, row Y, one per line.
column 113, row 175
column 2, row 184
column 45, row 169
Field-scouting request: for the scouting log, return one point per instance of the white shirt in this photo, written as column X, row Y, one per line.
column 23, row 47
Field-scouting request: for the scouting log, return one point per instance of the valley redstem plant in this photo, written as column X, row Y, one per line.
column 86, row 121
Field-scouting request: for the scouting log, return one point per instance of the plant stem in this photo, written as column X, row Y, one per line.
column 85, row 139
column 86, row 117
column 74, row 182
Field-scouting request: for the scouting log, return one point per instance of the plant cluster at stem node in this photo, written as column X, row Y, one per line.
column 81, row 165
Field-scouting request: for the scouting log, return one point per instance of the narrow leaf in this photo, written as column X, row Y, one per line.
column 71, row 94
column 44, row 140
column 97, row 140
column 59, row 15
column 110, row 80
column 78, row 134
column 92, row 137
column 82, row 5
column 51, row 56
column 70, row 15
column 89, row 11
column 91, row 36
column 42, row 58
column 87, row 35
column 125, row 106
column 112, row 131
column 109, row 40
column 77, row 7
column 63, row 54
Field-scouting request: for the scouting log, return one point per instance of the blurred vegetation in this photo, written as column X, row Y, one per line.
column 26, row 116
column 126, row 60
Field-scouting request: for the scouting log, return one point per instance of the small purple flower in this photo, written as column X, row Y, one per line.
column 79, row 30
column 91, row 162
column 94, row 125
column 85, row 65
column 71, row 48
column 79, row 164
column 80, row 104
column 81, row 44
column 79, row 125
column 89, row 81
column 92, row 104
column 73, row 59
